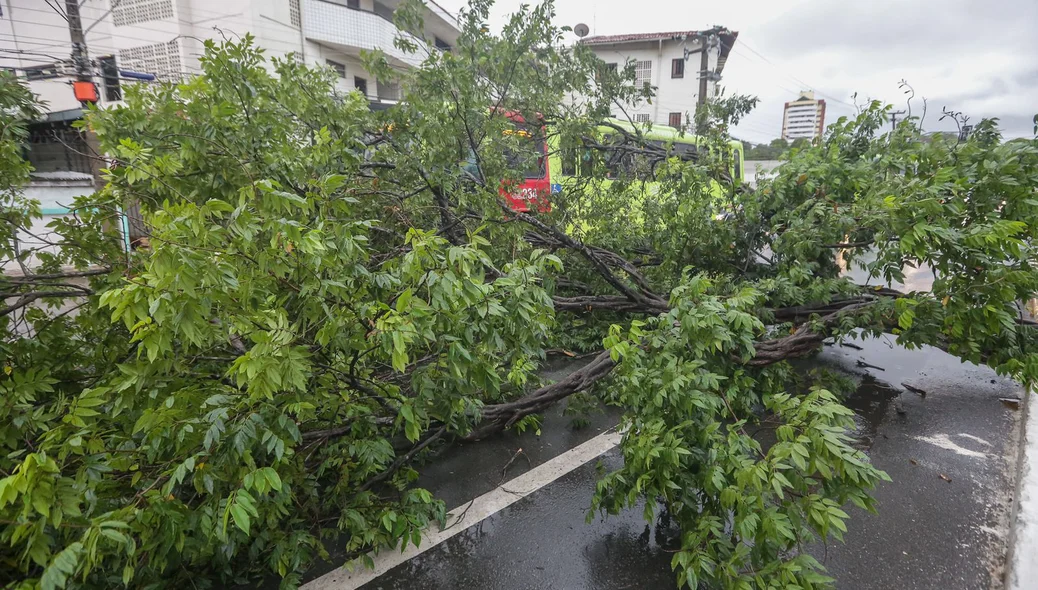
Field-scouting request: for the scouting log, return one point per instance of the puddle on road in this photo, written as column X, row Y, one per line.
column 871, row 404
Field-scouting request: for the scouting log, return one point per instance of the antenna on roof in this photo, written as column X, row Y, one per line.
column 581, row 30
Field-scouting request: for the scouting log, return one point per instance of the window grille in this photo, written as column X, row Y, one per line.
column 161, row 59
column 132, row 12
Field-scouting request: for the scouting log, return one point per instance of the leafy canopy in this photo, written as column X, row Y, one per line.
column 328, row 293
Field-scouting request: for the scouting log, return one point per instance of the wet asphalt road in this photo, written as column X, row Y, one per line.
column 941, row 524
column 543, row 541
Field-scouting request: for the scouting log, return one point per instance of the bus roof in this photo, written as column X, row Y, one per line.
column 656, row 132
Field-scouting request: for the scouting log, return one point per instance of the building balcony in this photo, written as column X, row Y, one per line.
column 351, row 30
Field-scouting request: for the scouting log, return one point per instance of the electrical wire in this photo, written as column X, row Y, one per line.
column 210, row 16
column 25, row 52
column 115, row 4
column 108, row 48
column 752, row 62
column 749, row 47
column 57, row 10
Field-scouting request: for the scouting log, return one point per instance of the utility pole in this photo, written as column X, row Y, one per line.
column 706, row 39
column 893, row 119
column 704, row 67
column 80, row 56
column 83, row 87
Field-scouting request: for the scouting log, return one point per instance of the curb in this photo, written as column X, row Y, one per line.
column 1022, row 554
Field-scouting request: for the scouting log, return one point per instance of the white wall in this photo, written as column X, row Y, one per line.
column 33, row 34
column 171, row 46
column 678, row 95
column 55, row 198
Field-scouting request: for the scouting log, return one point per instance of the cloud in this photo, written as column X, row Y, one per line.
column 913, row 32
column 974, row 56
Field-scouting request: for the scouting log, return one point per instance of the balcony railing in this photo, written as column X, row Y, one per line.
column 332, row 23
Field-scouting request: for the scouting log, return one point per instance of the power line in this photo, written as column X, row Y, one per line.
column 267, row 41
column 747, row 58
column 30, row 40
column 213, row 15
column 139, row 27
column 24, row 52
column 115, row 4
column 57, row 10
column 792, row 77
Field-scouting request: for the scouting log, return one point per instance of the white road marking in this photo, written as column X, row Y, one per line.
column 976, row 439
column 945, row 442
column 469, row 514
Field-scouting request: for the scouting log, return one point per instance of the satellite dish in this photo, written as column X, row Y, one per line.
column 581, row 30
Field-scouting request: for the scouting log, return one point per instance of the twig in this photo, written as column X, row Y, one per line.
column 862, row 363
column 512, row 460
column 396, row 465
column 914, row 389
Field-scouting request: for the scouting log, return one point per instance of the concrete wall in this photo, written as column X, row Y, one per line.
column 673, row 95
column 55, row 198
column 165, row 37
column 32, row 34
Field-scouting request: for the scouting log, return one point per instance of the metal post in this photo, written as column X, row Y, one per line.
column 704, row 67
column 893, row 119
column 80, row 55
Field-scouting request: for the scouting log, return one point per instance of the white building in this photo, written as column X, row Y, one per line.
column 684, row 67
column 803, row 118
column 164, row 38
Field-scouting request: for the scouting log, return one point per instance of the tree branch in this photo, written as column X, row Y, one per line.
column 595, row 256
column 30, row 297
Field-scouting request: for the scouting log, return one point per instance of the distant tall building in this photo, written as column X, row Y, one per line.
column 804, row 118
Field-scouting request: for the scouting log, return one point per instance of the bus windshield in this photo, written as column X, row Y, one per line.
column 528, row 157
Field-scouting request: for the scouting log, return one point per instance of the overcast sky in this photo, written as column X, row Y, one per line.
column 975, row 56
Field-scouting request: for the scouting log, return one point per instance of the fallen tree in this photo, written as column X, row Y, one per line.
column 326, row 295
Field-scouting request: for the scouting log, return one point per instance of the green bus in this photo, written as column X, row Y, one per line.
column 619, row 152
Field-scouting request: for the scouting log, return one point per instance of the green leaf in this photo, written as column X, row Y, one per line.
column 63, row 566
column 241, row 517
column 273, row 478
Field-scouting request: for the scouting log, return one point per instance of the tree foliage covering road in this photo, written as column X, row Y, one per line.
column 328, row 294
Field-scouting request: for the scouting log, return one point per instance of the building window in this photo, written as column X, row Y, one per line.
column 677, row 68
column 110, row 76
column 340, row 69
column 642, row 74
column 361, row 84
column 383, row 11
column 441, row 44
column 42, row 73
column 641, row 118
column 58, row 147
column 293, row 13
column 387, row 91
column 675, row 120
column 354, row 4
column 603, row 70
